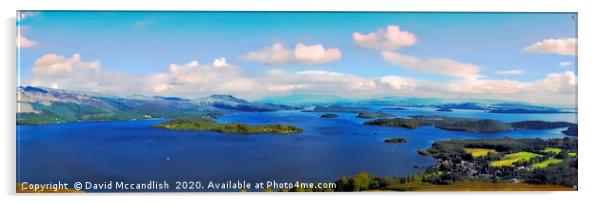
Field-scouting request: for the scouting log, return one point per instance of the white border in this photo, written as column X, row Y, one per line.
column 589, row 98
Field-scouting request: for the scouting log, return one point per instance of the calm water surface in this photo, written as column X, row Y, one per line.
column 328, row 148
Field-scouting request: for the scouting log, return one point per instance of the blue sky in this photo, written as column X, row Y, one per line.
column 149, row 42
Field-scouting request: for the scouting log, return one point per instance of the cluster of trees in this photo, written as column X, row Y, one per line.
column 459, row 124
column 471, row 125
column 329, row 115
column 363, row 181
column 399, row 122
column 506, row 144
column 538, row 124
column 210, row 125
column 564, row 174
column 373, row 115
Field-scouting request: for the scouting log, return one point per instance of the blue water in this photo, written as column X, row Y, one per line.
column 133, row 151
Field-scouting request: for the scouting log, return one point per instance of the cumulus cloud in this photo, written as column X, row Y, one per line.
column 557, row 83
column 53, row 65
column 189, row 79
column 220, row 62
column 398, row 83
column 433, row 65
column 22, row 41
column 195, row 79
column 279, row 54
column 510, row 72
column 555, row 88
column 484, row 86
column 311, row 80
column 57, row 71
column 278, row 82
column 389, row 38
column 561, row 46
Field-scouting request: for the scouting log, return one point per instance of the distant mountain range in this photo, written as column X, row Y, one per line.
column 228, row 102
column 504, row 108
column 41, row 106
column 492, row 106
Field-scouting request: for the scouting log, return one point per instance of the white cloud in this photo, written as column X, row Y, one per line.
column 561, row 46
column 192, row 79
column 196, row 79
column 433, row 65
column 279, row 54
column 565, row 64
column 220, row 62
column 56, row 66
column 389, row 38
column 316, row 54
column 57, row 71
column 511, row 72
column 333, row 83
column 398, row 83
column 483, row 86
column 555, row 88
column 557, row 83
column 22, row 41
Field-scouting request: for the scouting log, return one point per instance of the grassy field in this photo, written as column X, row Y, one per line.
column 546, row 163
column 511, row 159
column 552, row 150
column 478, row 152
column 477, row 186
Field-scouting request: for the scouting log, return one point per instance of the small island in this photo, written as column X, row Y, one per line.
column 399, row 122
column 373, row 115
column 538, row 124
column 394, row 108
column 329, row 115
column 446, row 123
column 338, row 108
column 396, row 140
column 210, row 125
column 524, row 110
column 471, row 124
column 444, row 110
